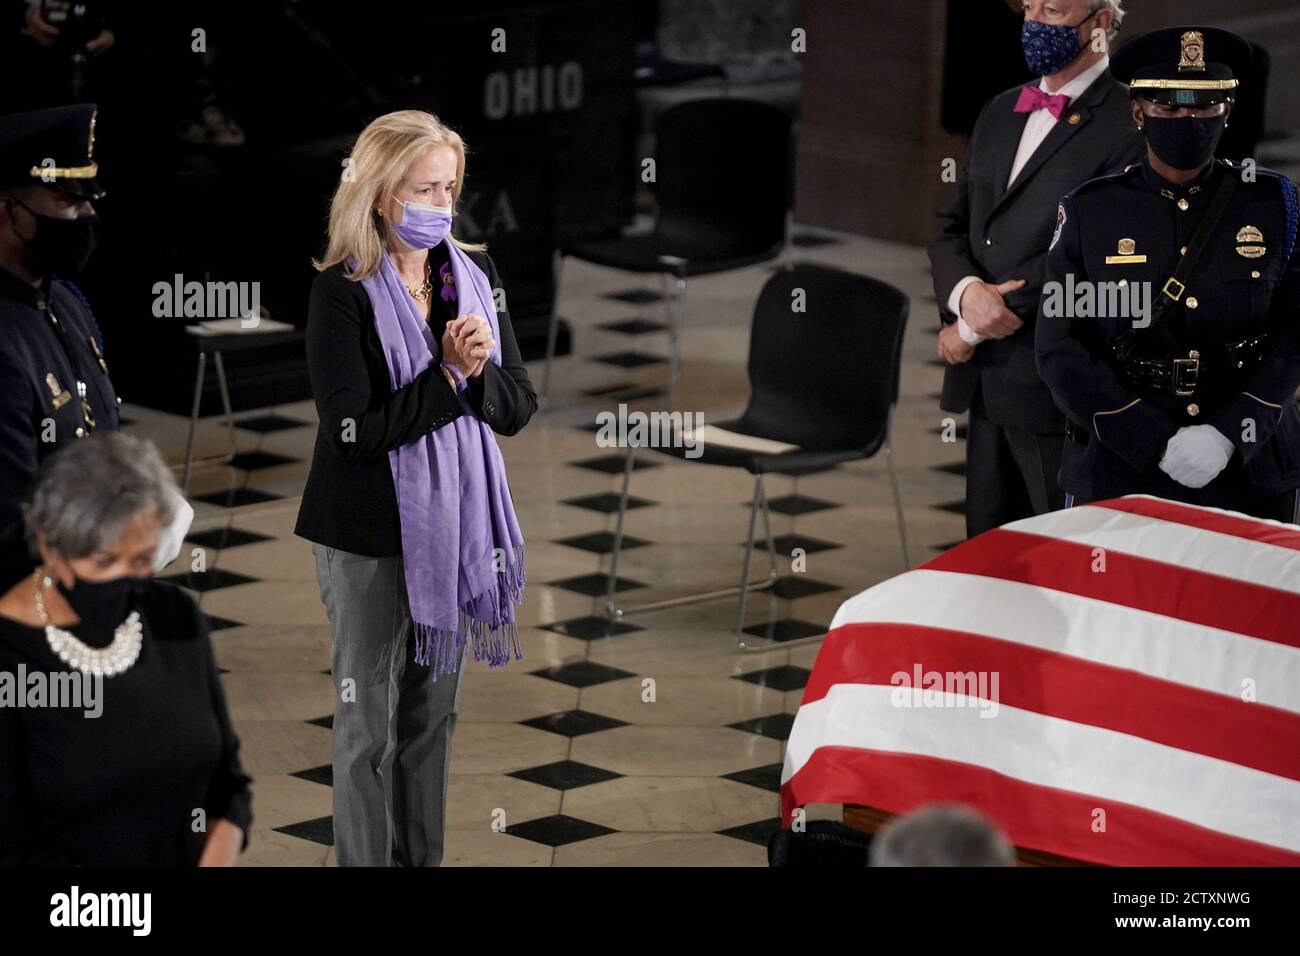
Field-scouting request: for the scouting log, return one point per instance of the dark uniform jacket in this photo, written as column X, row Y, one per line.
column 49, row 342
column 1245, row 284
column 1001, row 233
column 349, row 501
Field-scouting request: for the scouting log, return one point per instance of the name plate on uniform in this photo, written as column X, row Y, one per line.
column 1126, row 250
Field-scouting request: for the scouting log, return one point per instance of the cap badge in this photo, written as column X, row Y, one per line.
column 1193, row 56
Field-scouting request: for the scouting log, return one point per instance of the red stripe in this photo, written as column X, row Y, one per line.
column 1032, row 816
column 1239, row 527
column 1070, row 688
column 1240, row 607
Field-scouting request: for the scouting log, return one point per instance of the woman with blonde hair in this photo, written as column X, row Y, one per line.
column 413, row 366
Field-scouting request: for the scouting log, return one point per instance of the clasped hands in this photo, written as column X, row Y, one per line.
column 467, row 344
column 1195, row 455
column 985, row 312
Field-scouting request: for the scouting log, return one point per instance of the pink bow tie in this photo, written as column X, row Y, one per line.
column 1032, row 98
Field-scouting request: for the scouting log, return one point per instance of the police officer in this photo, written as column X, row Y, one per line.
column 1169, row 328
column 54, row 384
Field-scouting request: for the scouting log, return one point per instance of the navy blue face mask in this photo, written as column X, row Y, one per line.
column 1051, row 47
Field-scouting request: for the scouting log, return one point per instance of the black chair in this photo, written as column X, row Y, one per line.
column 823, row 386
column 722, row 180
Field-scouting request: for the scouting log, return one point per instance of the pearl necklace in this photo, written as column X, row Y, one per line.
column 107, row 661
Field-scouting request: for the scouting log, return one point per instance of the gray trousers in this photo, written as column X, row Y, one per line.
column 392, row 724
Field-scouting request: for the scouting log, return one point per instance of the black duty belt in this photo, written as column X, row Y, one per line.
column 1196, row 372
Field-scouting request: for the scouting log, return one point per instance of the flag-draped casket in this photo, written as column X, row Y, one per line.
column 1117, row 683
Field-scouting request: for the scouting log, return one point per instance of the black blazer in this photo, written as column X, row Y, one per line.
column 1000, row 233
column 349, row 501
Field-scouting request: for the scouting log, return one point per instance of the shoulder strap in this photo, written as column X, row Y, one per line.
column 1175, row 285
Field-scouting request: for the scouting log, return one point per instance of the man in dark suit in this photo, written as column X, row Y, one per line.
column 1031, row 145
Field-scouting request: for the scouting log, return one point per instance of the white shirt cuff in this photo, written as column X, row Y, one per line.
column 968, row 335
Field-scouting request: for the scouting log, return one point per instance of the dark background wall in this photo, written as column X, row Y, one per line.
column 891, row 89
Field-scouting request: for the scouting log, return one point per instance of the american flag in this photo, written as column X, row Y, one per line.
column 1118, row 683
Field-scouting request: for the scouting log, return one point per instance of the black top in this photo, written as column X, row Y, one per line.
column 123, row 788
column 349, row 501
column 48, row 343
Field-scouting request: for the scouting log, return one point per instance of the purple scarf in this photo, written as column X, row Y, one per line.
column 461, row 545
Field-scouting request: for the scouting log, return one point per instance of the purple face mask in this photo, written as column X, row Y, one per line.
column 422, row 226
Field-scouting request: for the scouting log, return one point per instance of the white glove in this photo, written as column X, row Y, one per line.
column 172, row 536
column 1195, row 455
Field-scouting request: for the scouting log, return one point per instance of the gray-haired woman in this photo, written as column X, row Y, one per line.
column 117, row 749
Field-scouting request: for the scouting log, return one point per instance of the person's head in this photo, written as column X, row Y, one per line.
column 48, row 180
column 1183, row 87
column 45, row 231
column 941, row 835
column 96, row 507
column 1057, row 33
column 404, row 157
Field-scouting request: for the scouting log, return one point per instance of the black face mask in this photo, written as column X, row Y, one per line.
column 1186, row 142
column 61, row 246
column 102, row 604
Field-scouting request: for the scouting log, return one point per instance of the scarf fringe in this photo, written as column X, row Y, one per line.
column 483, row 622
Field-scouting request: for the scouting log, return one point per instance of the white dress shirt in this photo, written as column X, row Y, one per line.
column 1039, row 123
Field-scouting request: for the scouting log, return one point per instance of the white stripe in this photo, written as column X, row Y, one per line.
column 1110, row 634
column 1195, row 549
column 1051, row 752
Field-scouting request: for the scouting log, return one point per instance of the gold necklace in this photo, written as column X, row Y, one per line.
column 421, row 292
